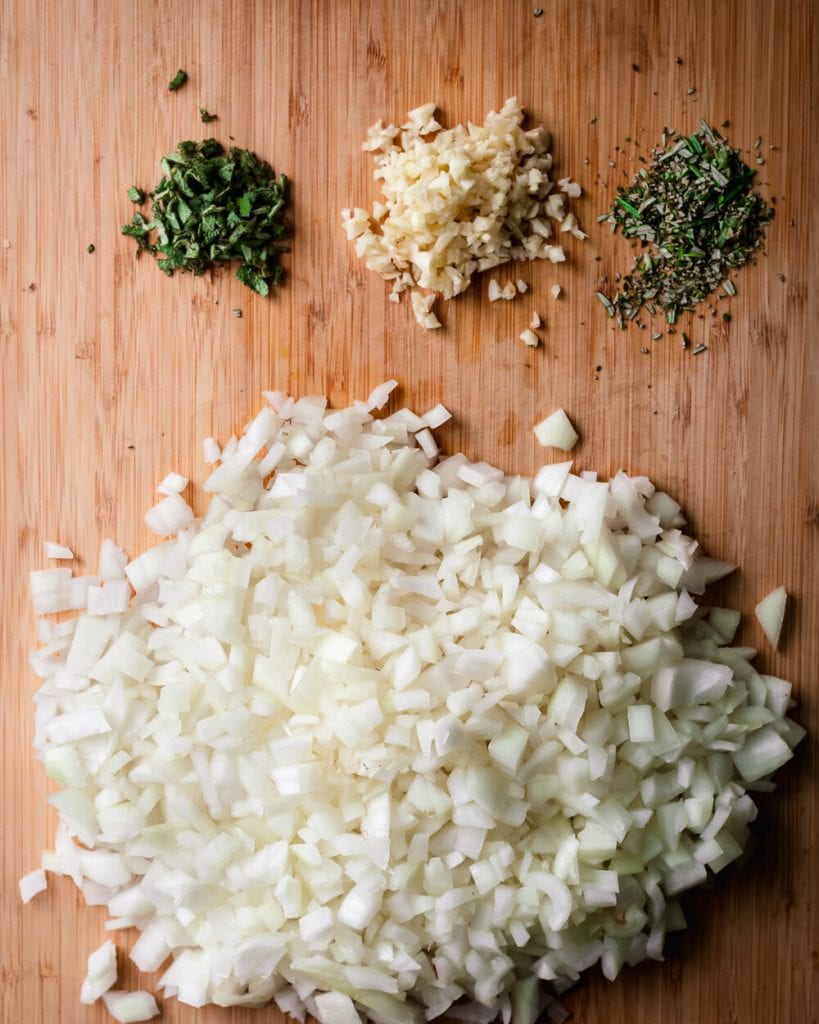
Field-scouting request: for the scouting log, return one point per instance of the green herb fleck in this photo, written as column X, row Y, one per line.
column 696, row 218
column 178, row 80
column 136, row 195
column 91, row 248
column 213, row 206
column 699, row 348
column 206, row 118
column 726, row 318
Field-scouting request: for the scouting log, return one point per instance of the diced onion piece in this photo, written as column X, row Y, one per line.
column 762, row 753
column 169, row 516
column 556, row 431
column 111, row 598
column 380, row 394
column 131, row 1007
column 32, row 883
column 436, row 417
column 102, row 973
column 173, row 483
column 529, row 337
column 211, row 450
column 336, row 1008
column 555, row 290
column 771, row 613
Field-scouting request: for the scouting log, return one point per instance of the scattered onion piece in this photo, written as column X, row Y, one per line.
column 31, row 884
column 556, row 431
column 771, row 614
column 102, row 973
column 131, row 1007
column 53, row 550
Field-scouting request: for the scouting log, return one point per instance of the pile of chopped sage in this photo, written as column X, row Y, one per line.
column 696, row 217
column 213, row 206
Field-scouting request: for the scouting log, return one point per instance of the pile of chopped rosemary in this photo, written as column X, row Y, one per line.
column 213, row 206
column 696, row 217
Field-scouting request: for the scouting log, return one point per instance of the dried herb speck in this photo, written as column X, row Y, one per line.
column 91, row 248
column 207, row 117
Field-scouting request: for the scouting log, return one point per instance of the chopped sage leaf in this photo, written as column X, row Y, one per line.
column 213, row 206
column 136, row 195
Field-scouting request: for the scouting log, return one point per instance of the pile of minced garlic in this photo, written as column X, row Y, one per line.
column 457, row 201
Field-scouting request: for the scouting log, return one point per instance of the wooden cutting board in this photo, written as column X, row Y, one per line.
column 111, row 374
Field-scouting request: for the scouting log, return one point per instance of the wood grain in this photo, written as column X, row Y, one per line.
column 111, row 374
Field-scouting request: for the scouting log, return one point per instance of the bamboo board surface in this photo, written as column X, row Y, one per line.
column 111, row 374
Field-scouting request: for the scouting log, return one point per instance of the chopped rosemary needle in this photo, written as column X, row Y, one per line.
column 178, row 80
column 695, row 216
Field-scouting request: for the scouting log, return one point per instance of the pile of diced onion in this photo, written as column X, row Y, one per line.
column 457, row 201
column 388, row 735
